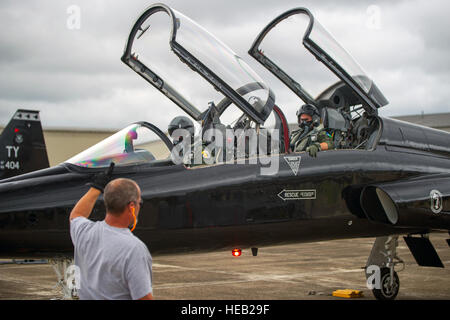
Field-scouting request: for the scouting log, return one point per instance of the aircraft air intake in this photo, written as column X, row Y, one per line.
column 421, row 202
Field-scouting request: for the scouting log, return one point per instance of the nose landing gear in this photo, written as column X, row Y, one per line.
column 385, row 283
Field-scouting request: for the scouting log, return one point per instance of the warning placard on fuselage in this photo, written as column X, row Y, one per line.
column 297, row 194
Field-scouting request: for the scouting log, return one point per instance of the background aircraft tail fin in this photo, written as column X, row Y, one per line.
column 22, row 145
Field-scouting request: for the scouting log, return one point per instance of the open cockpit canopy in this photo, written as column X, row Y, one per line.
column 225, row 71
column 353, row 86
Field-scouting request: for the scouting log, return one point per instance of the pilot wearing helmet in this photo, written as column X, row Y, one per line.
column 182, row 128
column 181, row 122
column 312, row 137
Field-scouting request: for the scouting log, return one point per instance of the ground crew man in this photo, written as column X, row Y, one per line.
column 113, row 263
column 312, row 136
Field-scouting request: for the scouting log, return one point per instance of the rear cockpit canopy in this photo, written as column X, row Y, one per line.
column 224, row 71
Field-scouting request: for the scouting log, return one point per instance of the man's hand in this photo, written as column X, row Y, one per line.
column 100, row 180
column 313, row 150
column 84, row 206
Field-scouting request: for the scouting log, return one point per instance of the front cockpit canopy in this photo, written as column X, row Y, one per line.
column 349, row 84
column 203, row 53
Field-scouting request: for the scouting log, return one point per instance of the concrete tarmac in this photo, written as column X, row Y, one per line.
column 288, row 272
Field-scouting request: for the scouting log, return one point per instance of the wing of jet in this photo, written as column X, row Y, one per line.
column 22, row 145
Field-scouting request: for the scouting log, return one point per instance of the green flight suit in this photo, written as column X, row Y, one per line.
column 315, row 137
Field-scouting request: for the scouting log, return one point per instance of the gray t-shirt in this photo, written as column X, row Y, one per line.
column 113, row 263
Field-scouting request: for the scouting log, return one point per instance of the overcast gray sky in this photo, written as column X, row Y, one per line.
column 74, row 75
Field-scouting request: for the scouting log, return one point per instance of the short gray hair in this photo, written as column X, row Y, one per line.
column 119, row 193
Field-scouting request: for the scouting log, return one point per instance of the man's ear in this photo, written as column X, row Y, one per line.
column 131, row 207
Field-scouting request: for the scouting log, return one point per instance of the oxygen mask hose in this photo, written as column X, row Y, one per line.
column 305, row 132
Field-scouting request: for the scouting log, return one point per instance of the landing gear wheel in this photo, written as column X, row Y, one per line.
column 388, row 290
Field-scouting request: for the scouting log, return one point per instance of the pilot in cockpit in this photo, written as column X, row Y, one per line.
column 180, row 122
column 312, row 137
column 186, row 130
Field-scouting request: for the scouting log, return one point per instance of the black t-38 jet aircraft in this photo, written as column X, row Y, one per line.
column 384, row 178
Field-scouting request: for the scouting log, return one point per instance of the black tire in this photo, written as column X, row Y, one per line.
column 386, row 292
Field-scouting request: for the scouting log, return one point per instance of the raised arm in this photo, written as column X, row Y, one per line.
column 84, row 206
